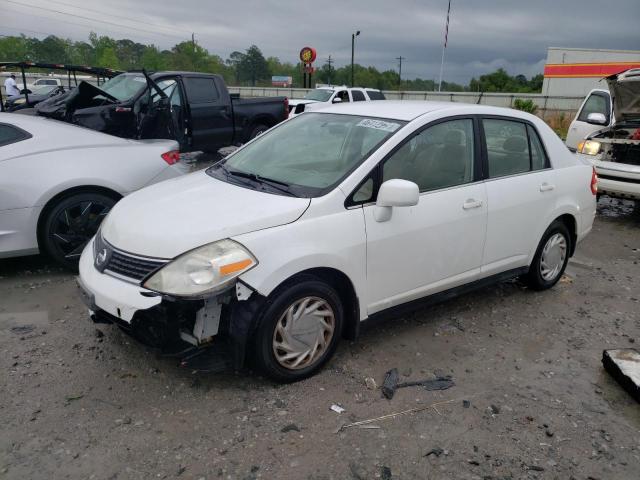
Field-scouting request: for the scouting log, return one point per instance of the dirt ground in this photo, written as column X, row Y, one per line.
column 531, row 399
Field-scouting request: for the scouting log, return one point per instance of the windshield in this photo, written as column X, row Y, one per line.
column 125, row 85
column 319, row 95
column 308, row 155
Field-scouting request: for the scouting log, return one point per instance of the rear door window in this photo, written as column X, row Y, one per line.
column 201, row 90
column 597, row 102
column 10, row 134
column 512, row 147
column 358, row 96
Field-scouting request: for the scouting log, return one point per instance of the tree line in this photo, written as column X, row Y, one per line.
column 246, row 68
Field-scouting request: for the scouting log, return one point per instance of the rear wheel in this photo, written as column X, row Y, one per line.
column 551, row 257
column 257, row 130
column 299, row 330
column 71, row 223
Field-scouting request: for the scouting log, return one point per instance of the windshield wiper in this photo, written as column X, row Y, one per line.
column 276, row 184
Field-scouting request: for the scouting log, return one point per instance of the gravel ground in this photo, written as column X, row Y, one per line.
column 530, row 400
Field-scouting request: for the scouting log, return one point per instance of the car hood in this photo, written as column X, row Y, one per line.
column 625, row 90
column 172, row 217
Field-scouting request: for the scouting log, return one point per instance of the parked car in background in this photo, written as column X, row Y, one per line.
column 45, row 82
column 334, row 217
column 594, row 114
column 58, row 181
column 36, row 95
column 326, row 95
column 194, row 109
column 615, row 149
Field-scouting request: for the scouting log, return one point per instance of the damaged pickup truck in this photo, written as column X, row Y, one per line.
column 615, row 150
column 196, row 109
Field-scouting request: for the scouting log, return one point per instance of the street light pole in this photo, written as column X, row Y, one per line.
column 353, row 45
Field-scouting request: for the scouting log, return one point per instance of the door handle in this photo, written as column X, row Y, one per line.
column 471, row 203
column 545, row 187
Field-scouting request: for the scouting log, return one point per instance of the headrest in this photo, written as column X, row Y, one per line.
column 454, row 137
column 515, row 144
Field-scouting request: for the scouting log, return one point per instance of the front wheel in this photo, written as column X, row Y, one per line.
column 299, row 331
column 551, row 257
column 71, row 223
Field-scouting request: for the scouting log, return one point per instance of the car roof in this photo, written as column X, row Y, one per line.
column 408, row 110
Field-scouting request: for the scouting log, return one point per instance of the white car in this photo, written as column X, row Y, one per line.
column 326, row 95
column 615, row 149
column 58, row 181
column 334, row 217
column 594, row 114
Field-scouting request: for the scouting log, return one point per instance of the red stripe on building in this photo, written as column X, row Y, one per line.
column 587, row 69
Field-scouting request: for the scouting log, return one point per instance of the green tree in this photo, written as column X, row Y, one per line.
column 253, row 67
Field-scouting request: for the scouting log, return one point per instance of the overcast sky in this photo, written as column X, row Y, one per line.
column 483, row 34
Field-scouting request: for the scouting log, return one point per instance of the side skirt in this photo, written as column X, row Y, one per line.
column 440, row 297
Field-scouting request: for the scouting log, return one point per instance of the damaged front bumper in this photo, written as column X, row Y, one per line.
column 206, row 334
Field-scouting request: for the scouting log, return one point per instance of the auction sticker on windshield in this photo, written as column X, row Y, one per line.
column 379, row 125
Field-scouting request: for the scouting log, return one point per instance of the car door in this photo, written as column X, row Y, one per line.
column 211, row 119
column 520, row 192
column 596, row 102
column 438, row 243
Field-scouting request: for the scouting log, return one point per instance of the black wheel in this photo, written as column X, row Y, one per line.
column 551, row 257
column 299, row 330
column 257, row 130
column 71, row 223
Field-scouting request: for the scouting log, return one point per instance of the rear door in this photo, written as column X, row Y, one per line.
column 596, row 102
column 521, row 192
column 211, row 116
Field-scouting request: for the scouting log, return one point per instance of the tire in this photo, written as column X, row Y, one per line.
column 258, row 129
column 71, row 223
column 271, row 337
column 541, row 276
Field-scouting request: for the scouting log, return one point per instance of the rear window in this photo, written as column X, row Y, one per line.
column 374, row 95
column 201, row 90
column 10, row 134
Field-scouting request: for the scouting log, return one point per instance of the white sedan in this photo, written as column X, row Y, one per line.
column 335, row 217
column 58, row 181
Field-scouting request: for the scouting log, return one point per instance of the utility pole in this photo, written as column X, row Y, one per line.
column 353, row 46
column 329, row 62
column 193, row 42
column 400, row 58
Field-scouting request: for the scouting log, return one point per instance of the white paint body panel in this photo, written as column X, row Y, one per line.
column 579, row 130
column 422, row 249
column 58, row 157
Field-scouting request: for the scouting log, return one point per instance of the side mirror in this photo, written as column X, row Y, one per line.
column 597, row 119
column 395, row 193
column 336, row 100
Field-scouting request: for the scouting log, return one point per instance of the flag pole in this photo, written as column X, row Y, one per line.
column 444, row 46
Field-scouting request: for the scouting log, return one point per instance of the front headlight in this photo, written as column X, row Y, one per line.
column 589, row 147
column 19, row 101
column 202, row 271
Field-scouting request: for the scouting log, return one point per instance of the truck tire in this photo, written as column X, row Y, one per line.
column 257, row 130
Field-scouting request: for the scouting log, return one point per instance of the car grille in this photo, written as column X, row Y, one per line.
column 131, row 266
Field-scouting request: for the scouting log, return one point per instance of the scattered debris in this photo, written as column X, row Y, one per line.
column 385, row 472
column 71, row 398
column 466, row 403
column 23, row 329
column 370, row 383
column 495, row 410
column 397, row 414
column 292, row 427
column 390, row 384
column 337, row 408
column 434, row 451
column 623, row 364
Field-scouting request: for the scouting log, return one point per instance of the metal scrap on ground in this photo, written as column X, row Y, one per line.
column 391, row 383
